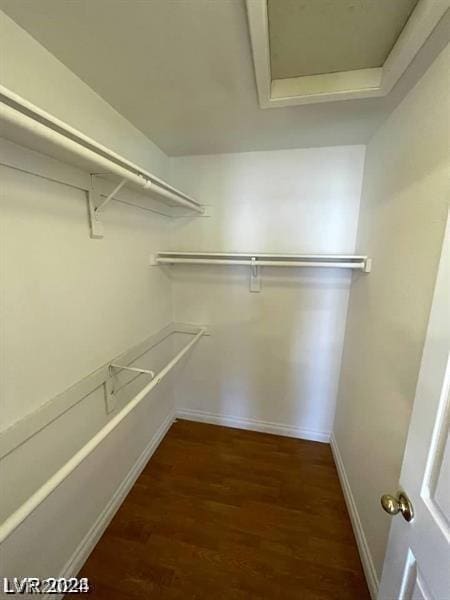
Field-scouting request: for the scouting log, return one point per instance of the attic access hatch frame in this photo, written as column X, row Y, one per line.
column 343, row 85
column 257, row 260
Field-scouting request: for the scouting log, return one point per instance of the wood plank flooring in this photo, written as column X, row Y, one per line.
column 221, row 513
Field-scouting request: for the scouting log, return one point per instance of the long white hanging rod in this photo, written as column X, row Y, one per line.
column 22, row 119
column 356, row 262
column 19, row 515
column 258, row 254
column 263, row 263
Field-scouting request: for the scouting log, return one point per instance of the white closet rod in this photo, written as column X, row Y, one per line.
column 18, row 516
column 361, row 263
column 257, row 255
column 33, row 121
column 261, row 263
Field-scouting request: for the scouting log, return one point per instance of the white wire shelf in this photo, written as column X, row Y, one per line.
column 15, row 519
column 256, row 260
column 339, row 261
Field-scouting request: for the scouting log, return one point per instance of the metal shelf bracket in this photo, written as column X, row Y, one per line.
column 109, row 388
column 97, row 203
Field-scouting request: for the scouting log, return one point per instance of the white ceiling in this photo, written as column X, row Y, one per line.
column 308, row 37
column 182, row 72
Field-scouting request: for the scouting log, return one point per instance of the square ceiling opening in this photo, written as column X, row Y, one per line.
column 312, row 37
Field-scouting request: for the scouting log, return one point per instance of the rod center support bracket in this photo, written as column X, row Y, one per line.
column 255, row 275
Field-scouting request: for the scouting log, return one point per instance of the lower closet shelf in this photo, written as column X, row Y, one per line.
column 13, row 434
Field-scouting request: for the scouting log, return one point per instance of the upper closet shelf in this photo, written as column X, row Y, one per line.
column 27, row 125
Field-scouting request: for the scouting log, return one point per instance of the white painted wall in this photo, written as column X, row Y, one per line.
column 68, row 305
column 402, row 219
column 273, row 360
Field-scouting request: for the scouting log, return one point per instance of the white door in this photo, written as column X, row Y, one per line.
column 417, row 563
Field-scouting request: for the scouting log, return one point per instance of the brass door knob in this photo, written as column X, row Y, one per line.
column 400, row 504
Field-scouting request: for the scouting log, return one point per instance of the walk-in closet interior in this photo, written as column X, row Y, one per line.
column 224, row 325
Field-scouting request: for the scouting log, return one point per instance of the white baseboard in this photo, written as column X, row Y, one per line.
column 363, row 547
column 253, row 425
column 88, row 543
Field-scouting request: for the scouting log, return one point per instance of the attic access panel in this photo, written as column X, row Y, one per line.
column 313, row 37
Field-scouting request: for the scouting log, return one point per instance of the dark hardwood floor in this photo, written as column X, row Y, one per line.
column 221, row 513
